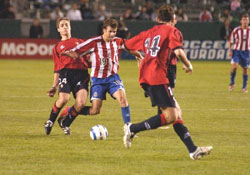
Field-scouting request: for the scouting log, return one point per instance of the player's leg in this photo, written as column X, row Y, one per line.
column 183, row 132
column 160, row 95
column 171, row 75
column 234, row 66
column 244, row 62
column 116, row 90
column 57, row 106
column 78, row 84
column 245, row 79
column 72, row 112
column 121, row 98
column 97, row 95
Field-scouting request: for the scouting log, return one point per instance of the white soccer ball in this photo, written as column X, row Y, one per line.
column 98, row 132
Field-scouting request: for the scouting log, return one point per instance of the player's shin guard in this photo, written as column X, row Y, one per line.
column 126, row 114
column 245, row 80
column 184, row 135
column 72, row 114
column 232, row 77
column 54, row 113
column 151, row 123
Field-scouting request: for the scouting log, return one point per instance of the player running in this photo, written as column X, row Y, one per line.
column 239, row 48
column 158, row 42
column 104, row 53
column 71, row 75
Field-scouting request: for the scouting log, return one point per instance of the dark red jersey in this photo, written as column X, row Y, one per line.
column 157, row 44
column 61, row 61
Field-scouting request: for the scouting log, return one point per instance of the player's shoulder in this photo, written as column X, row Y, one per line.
column 118, row 40
column 93, row 39
column 236, row 28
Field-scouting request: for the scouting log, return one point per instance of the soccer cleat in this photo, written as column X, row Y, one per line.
column 244, row 90
column 201, row 152
column 48, row 127
column 231, row 87
column 128, row 136
column 65, row 129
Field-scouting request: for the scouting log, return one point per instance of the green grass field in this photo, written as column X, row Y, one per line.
column 213, row 115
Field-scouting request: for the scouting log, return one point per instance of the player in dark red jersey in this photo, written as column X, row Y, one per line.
column 71, row 75
column 104, row 55
column 158, row 43
column 239, row 49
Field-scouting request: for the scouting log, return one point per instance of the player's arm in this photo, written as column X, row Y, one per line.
column 231, row 43
column 51, row 92
column 80, row 50
column 181, row 55
column 71, row 54
column 56, row 57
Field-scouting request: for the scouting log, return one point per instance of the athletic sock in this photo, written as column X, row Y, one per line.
column 232, row 76
column 72, row 114
column 245, row 80
column 159, row 112
column 54, row 113
column 184, row 135
column 85, row 110
column 126, row 114
column 151, row 123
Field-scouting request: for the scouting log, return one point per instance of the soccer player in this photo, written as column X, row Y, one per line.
column 239, row 48
column 158, row 43
column 104, row 56
column 71, row 75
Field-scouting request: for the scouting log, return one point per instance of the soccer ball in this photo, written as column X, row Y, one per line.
column 98, row 132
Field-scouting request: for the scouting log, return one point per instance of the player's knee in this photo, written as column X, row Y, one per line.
column 63, row 100
column 123, row 101
column 80, row 104
column 171, row 117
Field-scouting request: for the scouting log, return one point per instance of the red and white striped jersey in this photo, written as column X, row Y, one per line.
column 240, row 39
column 104, row 56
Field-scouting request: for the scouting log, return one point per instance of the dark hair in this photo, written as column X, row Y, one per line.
column 110, row 22
column 60, row 19
column 244, row 15
column 165, row 13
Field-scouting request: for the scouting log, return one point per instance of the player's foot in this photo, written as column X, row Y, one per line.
column 65, row 129
column 201, row 152
column 244, row 90
column 48, row 127
column 128, row 136
column 231, row 87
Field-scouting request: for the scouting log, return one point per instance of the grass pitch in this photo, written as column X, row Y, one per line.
column 213, row 115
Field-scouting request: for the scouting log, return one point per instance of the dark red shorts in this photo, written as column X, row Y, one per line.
column 160, row 95
column 73, row 80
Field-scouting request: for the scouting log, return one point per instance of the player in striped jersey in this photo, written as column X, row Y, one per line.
column 239, row 50
column 104, row 53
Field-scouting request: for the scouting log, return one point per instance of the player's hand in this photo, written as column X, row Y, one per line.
column 71, row 54
column 188, row 69
column 51, row 92
column 139, row 59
